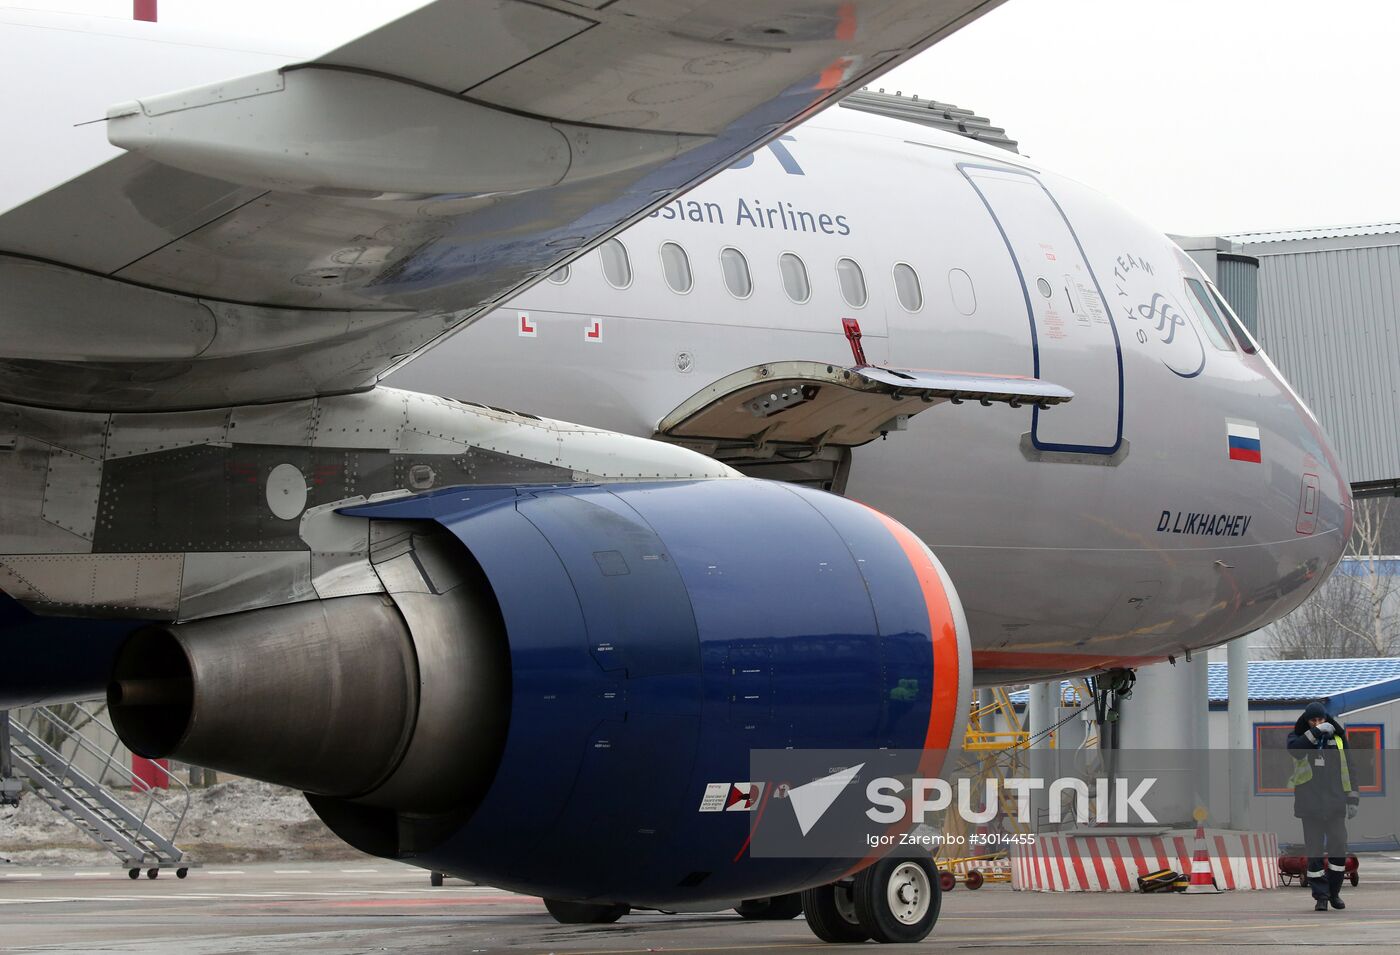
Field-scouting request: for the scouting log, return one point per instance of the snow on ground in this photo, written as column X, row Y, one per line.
column 235, row 821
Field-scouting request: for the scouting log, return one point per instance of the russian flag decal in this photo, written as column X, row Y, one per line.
column 1242, row 438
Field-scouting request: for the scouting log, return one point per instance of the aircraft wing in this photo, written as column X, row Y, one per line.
column 304, row 230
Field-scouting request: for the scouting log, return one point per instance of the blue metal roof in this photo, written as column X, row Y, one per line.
column 1344, row 684
column 1304, row 680
column 1366, row 566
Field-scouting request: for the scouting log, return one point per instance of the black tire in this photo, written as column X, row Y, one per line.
column 1355, row 878
column 435, row 879
column 897, row 900
column 975, row 879
column 585, row 913
column 152, row 873
column 776, row 908
column 181, row 873
column 133, row 873
column 831, row 914
column 947, row 882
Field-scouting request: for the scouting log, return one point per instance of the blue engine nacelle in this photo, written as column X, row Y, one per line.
column 557, row 677
column 660, row 632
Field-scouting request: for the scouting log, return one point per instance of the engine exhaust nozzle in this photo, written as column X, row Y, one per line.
column 321, row 696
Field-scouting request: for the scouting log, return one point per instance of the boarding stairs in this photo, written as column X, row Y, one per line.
column 74, row 785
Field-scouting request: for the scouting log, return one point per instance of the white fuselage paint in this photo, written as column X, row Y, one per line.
column 1055, row 554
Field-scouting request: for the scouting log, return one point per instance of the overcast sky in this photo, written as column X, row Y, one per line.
column 1201, row 115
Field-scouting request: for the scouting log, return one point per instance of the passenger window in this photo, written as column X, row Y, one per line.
column 961, row 289
column 906, row 287
column 736, row 273
column 794, row 272
column 1246, row 340
column 852, row 281
column 1207, row 315
column 676, row 266
column 560, row 275
column 617, row 267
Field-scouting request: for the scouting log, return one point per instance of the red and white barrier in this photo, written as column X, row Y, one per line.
column 1092, row 863
column 985, row 866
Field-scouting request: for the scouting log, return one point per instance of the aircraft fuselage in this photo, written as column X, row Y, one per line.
column 1115, row 530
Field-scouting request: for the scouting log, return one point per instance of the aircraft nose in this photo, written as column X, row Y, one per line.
column 1335, row 507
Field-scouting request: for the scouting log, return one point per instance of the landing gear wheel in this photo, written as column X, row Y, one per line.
column 133, row 873
column 435, row 879
column 775, row 908
column 897, row 900
column 974, row 879
column 585, row 913
column 152, row 873
column 181, row 873
column 831, row 914
column 947, row 882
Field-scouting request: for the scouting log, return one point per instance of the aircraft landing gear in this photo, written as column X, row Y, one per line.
column 585, row 913
column 894, row 900
column 831, row 913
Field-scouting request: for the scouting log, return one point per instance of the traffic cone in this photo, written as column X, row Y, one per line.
column 1202, row 879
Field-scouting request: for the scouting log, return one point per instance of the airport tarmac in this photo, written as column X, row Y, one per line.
column 386, row 907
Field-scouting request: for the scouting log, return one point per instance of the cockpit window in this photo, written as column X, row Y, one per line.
column 1208, row 317
column 1246, row 340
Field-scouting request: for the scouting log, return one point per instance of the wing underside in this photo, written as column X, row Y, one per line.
column 304, row 230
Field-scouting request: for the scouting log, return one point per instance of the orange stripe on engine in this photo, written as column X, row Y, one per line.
column 943, row 634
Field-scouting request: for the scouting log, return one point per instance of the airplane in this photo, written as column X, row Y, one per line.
column 871, row 413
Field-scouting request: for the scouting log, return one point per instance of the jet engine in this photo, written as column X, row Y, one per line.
column 555, row 677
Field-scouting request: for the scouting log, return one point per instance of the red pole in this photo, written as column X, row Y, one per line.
column 144, row 10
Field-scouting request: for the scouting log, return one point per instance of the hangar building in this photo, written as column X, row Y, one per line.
column 1325, row 305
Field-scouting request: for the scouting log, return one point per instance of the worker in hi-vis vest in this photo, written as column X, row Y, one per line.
column 1323, row 798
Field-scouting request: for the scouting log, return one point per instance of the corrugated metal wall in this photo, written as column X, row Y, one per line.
column 1331, row 322
column 1238, row 279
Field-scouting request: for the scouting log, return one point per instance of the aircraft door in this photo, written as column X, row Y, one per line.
column 1073, row 338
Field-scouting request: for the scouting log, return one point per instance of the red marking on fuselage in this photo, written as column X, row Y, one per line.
column 144, row 10
column 1061, row 662
column 851, row 327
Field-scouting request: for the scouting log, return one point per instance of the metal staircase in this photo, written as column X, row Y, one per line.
column 142, row 837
